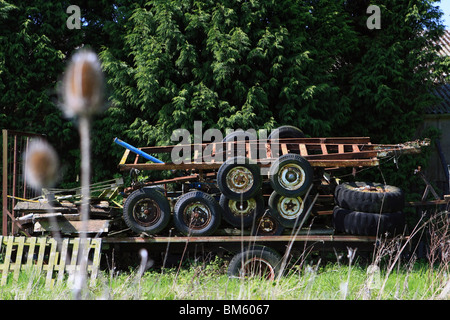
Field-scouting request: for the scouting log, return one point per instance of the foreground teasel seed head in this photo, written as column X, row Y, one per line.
column 41, row 165
column 83, row 85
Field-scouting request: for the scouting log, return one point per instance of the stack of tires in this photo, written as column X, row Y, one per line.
column 290, row 177
column 239, row 181
column 241, row 203
column 365, row 208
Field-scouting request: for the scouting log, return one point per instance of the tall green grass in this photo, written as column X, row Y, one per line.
column 387, row 274
column 209, row 281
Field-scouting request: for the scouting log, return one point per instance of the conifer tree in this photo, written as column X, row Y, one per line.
column 229, row 63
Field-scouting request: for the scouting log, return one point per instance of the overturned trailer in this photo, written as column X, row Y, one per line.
column 252, row 198
column 256, row 198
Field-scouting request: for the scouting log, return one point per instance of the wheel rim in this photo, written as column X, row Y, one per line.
column 290, row 208
column 267, row 225
column 291, row 176
column 239, row 179
column 257, row 267
column 146, row 212
column 242, row 208
column 371, row 189
column 197, row 215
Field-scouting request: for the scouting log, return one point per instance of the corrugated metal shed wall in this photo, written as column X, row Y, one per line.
column 438, row 116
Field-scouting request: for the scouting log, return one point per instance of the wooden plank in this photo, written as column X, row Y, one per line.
column 51, row 262
column 268, row 151
column 252, row 151
column 196, row 156
column 303, row 150
column 18, row 263
column 213, row 152
column 62, row 260
column 284, row 149
column 74, row 260
column 2, row 265
column 85, row 247
column 324, row 149
column 31, row 246
column 73, row 227
column 97, row 244
column 125, row 156
column 6, row 264
column 42, row 242
column 340, row 148
column 328, row 140
column 57, row 259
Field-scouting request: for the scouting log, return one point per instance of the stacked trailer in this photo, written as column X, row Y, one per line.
column 253, row 197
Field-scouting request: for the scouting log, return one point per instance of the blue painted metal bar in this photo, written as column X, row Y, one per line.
column 137, row 151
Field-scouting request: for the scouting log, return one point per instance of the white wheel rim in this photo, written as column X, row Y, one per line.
column 290, row 208
column 239, row 179
column 291, row 176
column 242, row 208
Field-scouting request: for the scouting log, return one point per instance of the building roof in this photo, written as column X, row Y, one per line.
column 444, row 90
column 444, row 42
column 444, row 106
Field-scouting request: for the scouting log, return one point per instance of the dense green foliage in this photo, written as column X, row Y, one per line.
column 230, row 63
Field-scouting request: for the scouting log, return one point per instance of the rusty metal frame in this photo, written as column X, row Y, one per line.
column 10, row 190
column 242, row 239
column 235, row 243
column 320, row 152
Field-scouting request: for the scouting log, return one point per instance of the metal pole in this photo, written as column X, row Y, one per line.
column 14, row 182
column 137, row 151
column 5, row 184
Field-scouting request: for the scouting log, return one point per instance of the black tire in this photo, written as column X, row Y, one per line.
column 369, row 197
column 197, row 214
column 255, row 262
column 146, row 210
column 291, row 175
column 267, row 225
column 285, row 132
column 368, row 224
column 239, row 178
column 242, row 213
column 289, row 211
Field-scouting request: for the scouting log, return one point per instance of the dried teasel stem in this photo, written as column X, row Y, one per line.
column 41, row 168
column 41, row 165
column 83, row 97
column 83, row 85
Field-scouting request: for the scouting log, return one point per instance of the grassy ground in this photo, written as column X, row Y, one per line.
column 387, row 274
column 210, row 282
